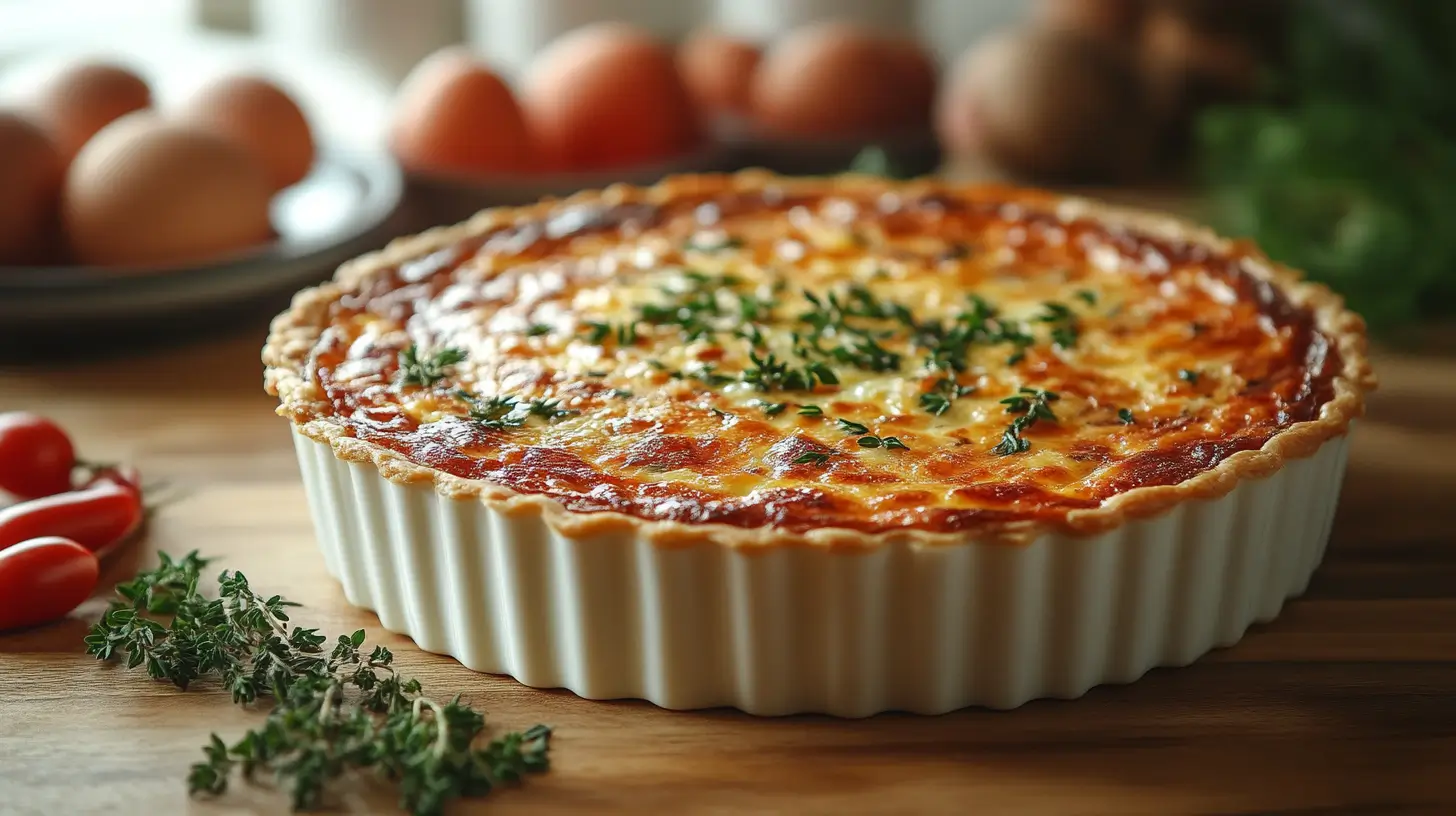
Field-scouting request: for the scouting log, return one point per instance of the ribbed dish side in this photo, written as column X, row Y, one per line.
column 786, row 631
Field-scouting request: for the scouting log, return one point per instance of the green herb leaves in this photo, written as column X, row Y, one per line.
column 496, row 413
column 1065, row 327
column 889, row 442
column 1367, row 156
column 335, row 711
column 1033, row 405
column 426, row 370
column 549, row 409
column 866, row 440
column 502, row 412
column 712, row 243
column 817, row 458
column 768, row 373
column 939, row 398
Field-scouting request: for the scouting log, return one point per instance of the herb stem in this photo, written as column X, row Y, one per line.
column 334, row 712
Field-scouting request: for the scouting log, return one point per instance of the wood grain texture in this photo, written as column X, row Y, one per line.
column 1345, row 705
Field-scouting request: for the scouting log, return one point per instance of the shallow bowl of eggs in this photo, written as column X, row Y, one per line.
column 608, row 103
column 119, row 214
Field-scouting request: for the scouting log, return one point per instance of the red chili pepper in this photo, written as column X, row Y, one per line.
column 43, row 579
column 95, row 517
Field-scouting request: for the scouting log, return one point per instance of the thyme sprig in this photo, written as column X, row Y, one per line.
column 888, row 442
column 1064, row 323
column 336, row 712
column 768, row 373
column 497, row 413
column 1033, row 405
column 942, row 394
column 424, row 370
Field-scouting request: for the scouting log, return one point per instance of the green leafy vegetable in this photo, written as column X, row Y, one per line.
column 1347, row 167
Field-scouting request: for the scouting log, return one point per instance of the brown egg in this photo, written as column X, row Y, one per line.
column 608, row 95
column 839, row 79
column 1050, row 105
column 718, row 70
column 146, row 191
column 454, row 115
column 31, row 167
column 260, row 117
column 919, row 77
column 81, row 99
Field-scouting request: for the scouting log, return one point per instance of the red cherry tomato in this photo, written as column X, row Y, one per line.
column 43, row 579
column 36, row 456
column 95, row 518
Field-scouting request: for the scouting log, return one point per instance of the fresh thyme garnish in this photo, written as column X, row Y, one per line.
column 1087, row 296
column 719, row 412
column 888, row 442
column 496, row 413
column 717, row 244
column 754, row 335
column 538, row 329
column 624, row 333
column 949, row 345
column 428, row 370
column 1063, row 321
column 690, row 309
column 861, row 347
column 769, row 373
column 852, row 427
column 1033, row 405
column 772, row 408
column 334, row 711
column 597, row 332
column 549, row 409
column 752, row 308
column 866, row 353
column 1189, row 376
column 1125, row 415
column 812, row 458
column 707, row 373
column 938, row 399
column 811, row 411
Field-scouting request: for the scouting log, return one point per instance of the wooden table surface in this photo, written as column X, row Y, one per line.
column 1346, row 704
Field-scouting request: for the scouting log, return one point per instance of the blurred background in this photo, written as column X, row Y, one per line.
column 164, row 165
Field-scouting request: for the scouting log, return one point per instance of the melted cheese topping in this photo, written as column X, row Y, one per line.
column 840, row 361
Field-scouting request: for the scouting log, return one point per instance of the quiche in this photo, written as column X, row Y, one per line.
column 833, row 444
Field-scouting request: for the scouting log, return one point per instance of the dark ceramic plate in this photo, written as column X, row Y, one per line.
column 337, row 212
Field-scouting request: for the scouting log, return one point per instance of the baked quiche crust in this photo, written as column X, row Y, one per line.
column 882, row 358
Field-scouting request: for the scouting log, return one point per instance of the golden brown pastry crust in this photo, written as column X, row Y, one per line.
column 296, row 332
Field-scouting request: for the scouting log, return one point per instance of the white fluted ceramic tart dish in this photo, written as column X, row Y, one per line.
column 832, row 445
